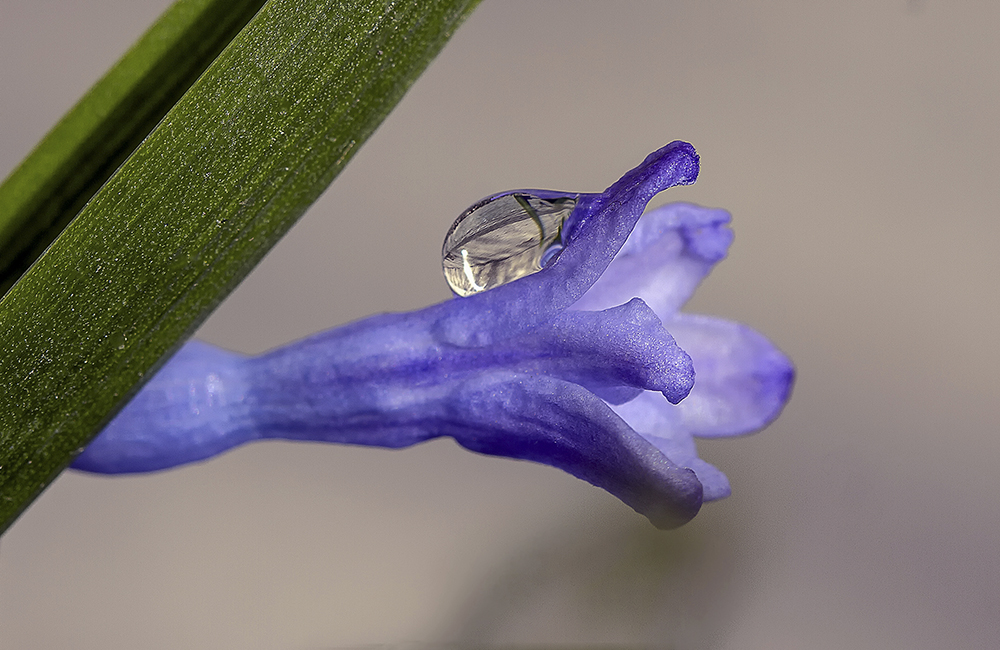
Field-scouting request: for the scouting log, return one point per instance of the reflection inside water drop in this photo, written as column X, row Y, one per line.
column 503, row 238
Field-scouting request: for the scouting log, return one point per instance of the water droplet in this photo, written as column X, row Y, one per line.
column 503, row 238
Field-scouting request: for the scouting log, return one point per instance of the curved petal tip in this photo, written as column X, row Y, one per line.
column 558, row 423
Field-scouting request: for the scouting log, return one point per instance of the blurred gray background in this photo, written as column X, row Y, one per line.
column 857, row 146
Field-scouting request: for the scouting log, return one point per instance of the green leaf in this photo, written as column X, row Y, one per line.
column 81, row 152
column 229, row 169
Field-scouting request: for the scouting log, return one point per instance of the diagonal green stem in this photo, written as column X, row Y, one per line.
column 81, row 152
column 229, row 169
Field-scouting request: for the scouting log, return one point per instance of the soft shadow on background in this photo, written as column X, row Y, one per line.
column 857, row 145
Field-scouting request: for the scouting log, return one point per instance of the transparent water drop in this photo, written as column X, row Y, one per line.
column 503, row 238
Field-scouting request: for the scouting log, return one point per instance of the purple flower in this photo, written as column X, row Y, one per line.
column 551, row 367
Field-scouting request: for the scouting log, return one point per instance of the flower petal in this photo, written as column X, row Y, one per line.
column 714, row 483
column 662, row 424
column 561, row 424
column 598, row 227
column 742, row 380
column 671, row 249
column 625, row 346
